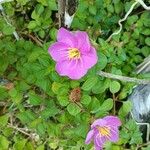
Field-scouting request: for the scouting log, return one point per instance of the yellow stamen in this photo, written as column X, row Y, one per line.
column 74, row 53
column 104, row 131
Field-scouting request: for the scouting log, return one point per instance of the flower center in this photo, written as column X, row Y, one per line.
column 104, row 131
column 74, row 53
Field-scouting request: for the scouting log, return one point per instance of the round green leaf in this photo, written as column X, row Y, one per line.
column 107, row 105
column 147, row 41
column 89, row 83
column 63, row 100
column 4, row 143
column 86, row 99
column 125, row 109
column 32, row 24
column 73, row 109
column 102, row 61
column 114, row 87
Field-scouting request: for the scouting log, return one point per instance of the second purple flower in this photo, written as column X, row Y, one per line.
column 102, row 130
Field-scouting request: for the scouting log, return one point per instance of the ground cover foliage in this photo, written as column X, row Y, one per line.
column 41, row 110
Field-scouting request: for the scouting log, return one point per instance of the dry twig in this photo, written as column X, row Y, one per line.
column 123, row 78
column 18, row 129
column 126, row 16
column 33, row 136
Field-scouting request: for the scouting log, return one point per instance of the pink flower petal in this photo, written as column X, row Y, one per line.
column 98, row 122
column 89, row 136
column 74, row 69
column 97, row 147
column 83, row 41
column 114, row 134
column 112, row 120
column 100, row 141
column 59, row 51
column 90, row 58
column 67, row 37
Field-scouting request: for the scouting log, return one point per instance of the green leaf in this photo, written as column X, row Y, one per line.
column 102, row 61
column 32, row 24
column 74, row 84
column 63, row 100
column 20, row 144
column 85, row 99
column 118, row 7
column 15, row 96
column 4, row 143
column 101, row 86
column 56, row 86
column 146, row 31
column 35, row 55
column 110, row 8
column 41, row 147
column 81, row 130
column 94, row 105
column 41, row 129
column 3, row 93
column 53, row 144
column 54, row 76
column 8, row 30
column 22, row 2
column 89, row 83
column 125, row 109
column 26, row 116
column 3, row 63
column 41, row 33
column 44, row 85
column 3, row 120
column 132, row 19
column 53, row 33
column 43, row 2
column 29, row 146
column 23, row 86
column 92, row 10
column 73, row 109
column 107, row 105
column 147, row 41
column 145, row 51
column 13, row 92
column 34, row 99
column 114, row 87
column 52, row 4
column 145, row 19
column 39, row 9
column 49, row 112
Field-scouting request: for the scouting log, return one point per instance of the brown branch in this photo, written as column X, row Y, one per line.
column 32, row 136
column 30, row 36
column 142, row 145
column 61, row 12
column 123, row 78
column 18, row 129
column 35, row 39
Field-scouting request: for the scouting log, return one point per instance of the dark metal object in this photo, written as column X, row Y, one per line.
column 66, row 11
column 140, row 99
column 71, row 6
column 3, row 81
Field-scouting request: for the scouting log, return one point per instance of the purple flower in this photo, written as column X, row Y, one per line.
column 73, row 53
column 103, row 130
